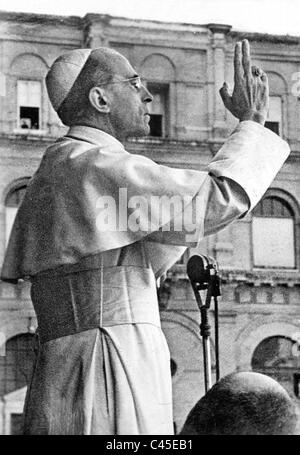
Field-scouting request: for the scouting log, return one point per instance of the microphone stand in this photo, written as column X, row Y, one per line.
column 212, row 284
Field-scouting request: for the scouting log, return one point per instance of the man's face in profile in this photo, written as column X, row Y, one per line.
column 129, row 100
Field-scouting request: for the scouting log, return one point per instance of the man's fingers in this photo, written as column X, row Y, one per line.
column 256, row 71
column 224, row 92
column 238, row 73
column 265, row 81
column 264, row 77
column 246, row 59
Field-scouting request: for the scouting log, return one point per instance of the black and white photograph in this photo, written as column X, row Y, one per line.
column 150, row 220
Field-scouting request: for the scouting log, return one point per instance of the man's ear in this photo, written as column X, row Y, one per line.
column 99, row 100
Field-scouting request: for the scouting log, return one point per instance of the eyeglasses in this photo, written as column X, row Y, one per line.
column 135, row 81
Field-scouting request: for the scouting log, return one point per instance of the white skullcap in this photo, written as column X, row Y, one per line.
column 63, row 73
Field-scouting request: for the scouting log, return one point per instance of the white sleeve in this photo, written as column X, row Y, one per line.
column 218, row 202
column 252, row 156
column 238, row 177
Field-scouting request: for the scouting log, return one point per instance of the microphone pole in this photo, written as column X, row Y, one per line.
column 203, row 274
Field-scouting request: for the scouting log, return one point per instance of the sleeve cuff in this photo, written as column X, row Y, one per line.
column 252, row 156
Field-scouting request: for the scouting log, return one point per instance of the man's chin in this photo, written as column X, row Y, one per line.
column 141, row 132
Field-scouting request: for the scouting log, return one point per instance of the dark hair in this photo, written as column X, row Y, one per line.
column 230, row 408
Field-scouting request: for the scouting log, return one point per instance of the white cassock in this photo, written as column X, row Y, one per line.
column 103, row 365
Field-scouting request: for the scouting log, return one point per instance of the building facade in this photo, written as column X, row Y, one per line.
column 184, row 66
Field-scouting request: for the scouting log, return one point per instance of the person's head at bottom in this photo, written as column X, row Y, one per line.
column 240, row 404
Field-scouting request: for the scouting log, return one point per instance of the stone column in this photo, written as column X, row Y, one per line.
column 3, row 83
column 223, row 248
column 218, row 43
column 95, row 27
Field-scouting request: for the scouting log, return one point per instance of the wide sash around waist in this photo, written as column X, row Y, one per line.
column 85, row 299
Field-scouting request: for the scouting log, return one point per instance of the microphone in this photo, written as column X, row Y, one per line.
column 201, row 270
column 203, row 274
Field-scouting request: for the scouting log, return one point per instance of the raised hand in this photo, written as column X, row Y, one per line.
column 250, row 97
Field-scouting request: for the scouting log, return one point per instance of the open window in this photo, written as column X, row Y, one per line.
column 159, row 109
column 274, row 118
column 29, row 95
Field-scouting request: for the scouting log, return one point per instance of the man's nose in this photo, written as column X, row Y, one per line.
column 146, row 95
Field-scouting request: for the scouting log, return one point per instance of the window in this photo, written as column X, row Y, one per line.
column 12, row 202
column 16, row 366
column 275, row 357
column 29, row 105
column 158, row 109
column 273, row 234
column 274, row 118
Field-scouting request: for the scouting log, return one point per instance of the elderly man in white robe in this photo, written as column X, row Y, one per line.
column 103, row 364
